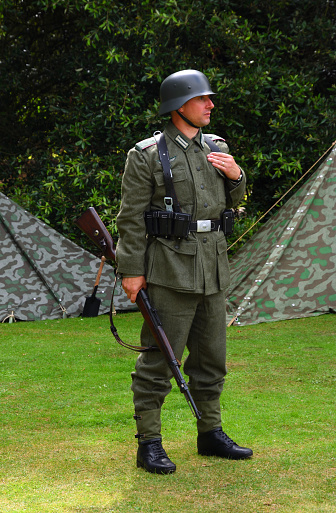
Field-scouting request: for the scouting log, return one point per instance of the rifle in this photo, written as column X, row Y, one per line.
column 91, row 224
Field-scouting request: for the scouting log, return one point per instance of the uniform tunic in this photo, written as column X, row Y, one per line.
column 187, row 276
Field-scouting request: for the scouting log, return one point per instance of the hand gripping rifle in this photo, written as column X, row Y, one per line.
column 91, row 224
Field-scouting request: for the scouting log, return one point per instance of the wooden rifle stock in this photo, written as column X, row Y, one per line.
column 91, row 224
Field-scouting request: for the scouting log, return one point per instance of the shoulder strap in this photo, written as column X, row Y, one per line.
column 146, row 143
column 213, row 147
column 167, row 172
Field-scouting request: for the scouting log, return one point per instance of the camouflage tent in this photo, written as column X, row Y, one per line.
column 287, row 270
column 43, row 274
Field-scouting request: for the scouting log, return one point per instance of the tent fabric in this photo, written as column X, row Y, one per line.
column 287, row 269
column 43, row 274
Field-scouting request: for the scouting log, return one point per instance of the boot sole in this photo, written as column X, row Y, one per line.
column 155, row 470
column 227, row 457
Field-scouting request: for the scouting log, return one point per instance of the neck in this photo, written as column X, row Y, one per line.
column 184, row 127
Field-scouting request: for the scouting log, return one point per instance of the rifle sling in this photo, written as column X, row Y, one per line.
column 114, row 331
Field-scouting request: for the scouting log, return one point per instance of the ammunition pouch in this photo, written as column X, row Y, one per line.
column 164, row 223
column 227, row 218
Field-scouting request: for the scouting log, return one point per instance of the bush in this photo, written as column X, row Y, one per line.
column 82, row 86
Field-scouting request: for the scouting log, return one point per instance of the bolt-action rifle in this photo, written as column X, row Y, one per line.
column 91, row 224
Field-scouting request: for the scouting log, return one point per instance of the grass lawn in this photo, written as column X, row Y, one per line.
column 67, row 432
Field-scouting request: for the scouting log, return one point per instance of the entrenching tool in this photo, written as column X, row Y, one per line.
column 92, row 303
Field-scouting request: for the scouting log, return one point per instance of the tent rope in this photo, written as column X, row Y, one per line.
column 10, row 317
column 64, row 311
column 282, row 197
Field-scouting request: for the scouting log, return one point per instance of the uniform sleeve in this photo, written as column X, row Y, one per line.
column 235, row 192
column 136, row 194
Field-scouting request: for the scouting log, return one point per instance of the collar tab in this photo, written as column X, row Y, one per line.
column 182, row 142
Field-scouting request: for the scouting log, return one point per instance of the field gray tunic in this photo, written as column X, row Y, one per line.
column 198, row 264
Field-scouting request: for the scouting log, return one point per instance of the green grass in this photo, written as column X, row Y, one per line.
column 67, row 432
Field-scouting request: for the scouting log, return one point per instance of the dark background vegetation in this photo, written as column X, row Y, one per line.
column 79, row 85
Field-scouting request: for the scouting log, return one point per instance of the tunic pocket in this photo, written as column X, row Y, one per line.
column 183, row 186
column 223, row 271
column 172, row 264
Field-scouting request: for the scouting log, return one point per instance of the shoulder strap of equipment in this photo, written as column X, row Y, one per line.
column 213, row 147
column 167, row 172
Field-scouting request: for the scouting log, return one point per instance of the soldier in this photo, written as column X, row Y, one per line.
column 185, row 277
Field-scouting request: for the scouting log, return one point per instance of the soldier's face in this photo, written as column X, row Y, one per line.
column 198, row 110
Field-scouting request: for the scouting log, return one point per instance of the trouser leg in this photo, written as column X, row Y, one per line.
column 148, row 424
column 151, row 455
column 211, row 415
column 199, row 322
column 152, row 375
column 206, row 362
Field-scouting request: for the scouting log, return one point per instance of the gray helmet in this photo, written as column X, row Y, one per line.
column 180, row 87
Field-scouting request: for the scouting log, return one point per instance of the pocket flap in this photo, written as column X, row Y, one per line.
column 182, row 246
column 221, row 246
column 179, row 175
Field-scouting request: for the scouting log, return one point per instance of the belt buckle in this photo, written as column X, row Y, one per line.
column 204, row 225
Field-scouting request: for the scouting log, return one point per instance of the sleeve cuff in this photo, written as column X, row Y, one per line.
column 237, row 182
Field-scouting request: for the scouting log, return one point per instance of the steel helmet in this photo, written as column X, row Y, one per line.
column 180, row 87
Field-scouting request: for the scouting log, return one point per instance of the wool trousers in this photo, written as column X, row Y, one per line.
column 195, row 325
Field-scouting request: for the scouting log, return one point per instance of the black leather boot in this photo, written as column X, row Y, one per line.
column 153, row 458
column 217, row 443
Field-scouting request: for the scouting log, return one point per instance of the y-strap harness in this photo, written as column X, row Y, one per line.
column 172, row 221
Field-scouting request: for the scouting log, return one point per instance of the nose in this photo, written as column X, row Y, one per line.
column 210, row 104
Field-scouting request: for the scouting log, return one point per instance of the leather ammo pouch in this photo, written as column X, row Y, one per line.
column 227, row 218
column 163, row 223
column 166, row 223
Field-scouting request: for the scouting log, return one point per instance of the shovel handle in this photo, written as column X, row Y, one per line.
column 100, row 270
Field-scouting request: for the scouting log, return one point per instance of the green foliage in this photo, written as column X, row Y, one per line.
column 80, row 85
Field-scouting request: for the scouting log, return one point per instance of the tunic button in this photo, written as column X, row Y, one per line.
column 198, row 168
column 205, row 205
column 177, row 246
column 196, row 150
column 205, row 240
column 202, row 187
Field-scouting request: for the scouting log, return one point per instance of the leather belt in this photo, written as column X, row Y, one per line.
column 205, row 225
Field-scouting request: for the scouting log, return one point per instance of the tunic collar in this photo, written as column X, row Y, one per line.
column 182, row 140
